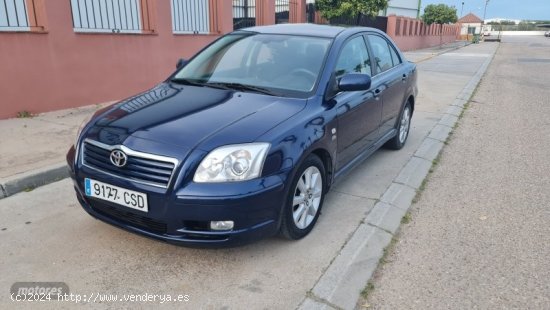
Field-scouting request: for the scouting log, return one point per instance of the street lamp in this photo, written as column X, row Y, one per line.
column 462, row 9
column 485, row 10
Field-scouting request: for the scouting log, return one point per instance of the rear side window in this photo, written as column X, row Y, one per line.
column 385, row 56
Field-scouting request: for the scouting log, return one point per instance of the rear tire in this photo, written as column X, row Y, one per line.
column 403, row 128
column 305, row 199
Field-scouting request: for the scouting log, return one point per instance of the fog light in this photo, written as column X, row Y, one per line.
column 221, row 225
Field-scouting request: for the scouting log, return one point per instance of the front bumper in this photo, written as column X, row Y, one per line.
column 182, row 216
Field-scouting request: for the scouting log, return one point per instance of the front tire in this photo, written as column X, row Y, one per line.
column 403, row 128
column 305, row 199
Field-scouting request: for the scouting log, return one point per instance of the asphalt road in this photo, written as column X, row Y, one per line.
column 480, row 235
column 45, row 236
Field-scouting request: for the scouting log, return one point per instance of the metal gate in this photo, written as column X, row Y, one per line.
column 244, row 13
column 310, row 12
column 282, row 11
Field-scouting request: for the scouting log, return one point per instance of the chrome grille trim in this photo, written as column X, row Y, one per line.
column 137, row 158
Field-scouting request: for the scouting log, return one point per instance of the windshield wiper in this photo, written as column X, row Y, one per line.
column 241, row 87
column 186, row 82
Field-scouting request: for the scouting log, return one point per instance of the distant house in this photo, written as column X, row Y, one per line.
column 470, row 25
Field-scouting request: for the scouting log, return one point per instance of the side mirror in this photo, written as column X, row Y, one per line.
column 181, row 63
column 354, row 82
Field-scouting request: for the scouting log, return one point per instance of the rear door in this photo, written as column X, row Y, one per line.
column 390, row 74
column 359, row 112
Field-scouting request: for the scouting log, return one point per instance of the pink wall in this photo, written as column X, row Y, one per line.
column 53, row 67
column 411, row 34
column 297, row 11
column 44, row 71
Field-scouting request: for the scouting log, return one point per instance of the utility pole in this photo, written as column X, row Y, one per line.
column 462, row 9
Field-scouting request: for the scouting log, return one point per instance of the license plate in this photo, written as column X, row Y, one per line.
column 115, row 194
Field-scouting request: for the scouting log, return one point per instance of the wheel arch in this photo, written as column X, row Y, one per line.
column 326, row 158
column 411, row 100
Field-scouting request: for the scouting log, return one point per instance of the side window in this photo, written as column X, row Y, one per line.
column 354, row 58
column 382, row 54
column 394, row 56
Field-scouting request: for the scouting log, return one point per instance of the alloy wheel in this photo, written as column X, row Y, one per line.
column 307, row 197
column 405, row 123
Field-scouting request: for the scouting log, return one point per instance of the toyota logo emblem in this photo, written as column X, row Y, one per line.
column 118, row 158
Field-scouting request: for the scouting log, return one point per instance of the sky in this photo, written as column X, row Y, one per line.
column 508, row 9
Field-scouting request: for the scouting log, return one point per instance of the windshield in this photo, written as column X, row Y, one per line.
column 272, row 63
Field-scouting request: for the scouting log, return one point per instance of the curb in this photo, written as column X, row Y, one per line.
column 341, row 283
column 32, row 179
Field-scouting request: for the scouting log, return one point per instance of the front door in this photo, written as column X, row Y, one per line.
column 359, row 112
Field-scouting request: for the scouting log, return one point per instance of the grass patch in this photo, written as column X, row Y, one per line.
column 386, row 251
column 383, row 260
column 367, row 290
column 422, row 187
column 406, row 219
column 24, row 114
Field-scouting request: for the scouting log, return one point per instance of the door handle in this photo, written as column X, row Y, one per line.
column 404, row 77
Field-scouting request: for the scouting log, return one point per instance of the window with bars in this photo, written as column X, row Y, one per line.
column 14, row 17
column 190, row 16
column 114, row 16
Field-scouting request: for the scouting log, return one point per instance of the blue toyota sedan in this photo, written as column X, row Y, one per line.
column 245, row 139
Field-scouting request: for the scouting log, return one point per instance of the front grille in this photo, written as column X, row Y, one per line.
column 128, row 217
column 140, row 167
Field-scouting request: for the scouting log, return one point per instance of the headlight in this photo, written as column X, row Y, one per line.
column 229, row 163
column 82, row 125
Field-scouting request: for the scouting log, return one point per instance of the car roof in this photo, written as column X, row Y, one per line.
column 299, row 29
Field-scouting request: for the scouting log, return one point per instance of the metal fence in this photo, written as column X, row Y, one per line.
column 116, row 16
column 244, row 13
column 282, row 10
column 13, row 16
column 378, row 22
column 190, row 16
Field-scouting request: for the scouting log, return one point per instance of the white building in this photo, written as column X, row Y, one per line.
column 409, row 8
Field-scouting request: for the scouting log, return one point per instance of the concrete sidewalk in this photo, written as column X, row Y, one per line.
column 33, row 148
column 446, row 82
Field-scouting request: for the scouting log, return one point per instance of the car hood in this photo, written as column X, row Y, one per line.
column 193, row 116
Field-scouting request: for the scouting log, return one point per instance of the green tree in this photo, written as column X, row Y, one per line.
column 350, row 8
column 439, row 14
